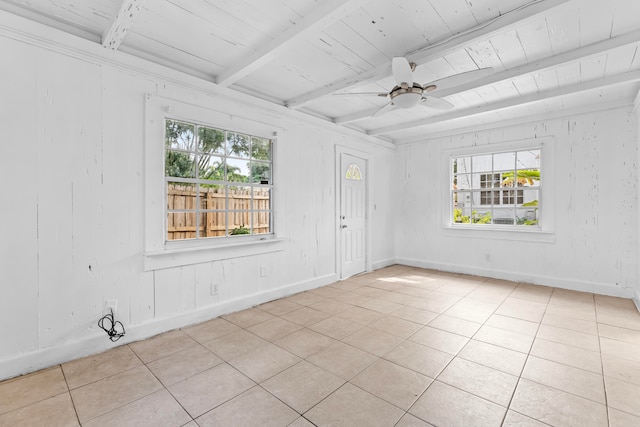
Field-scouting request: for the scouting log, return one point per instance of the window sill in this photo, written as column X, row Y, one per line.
column 198, row 254
column 518, row 233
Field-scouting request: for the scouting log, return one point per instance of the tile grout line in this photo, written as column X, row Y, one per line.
column 75, row 410
column 524, row 365
column 604, row 382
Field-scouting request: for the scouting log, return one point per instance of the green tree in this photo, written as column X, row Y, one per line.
column 260, row 172
column 237, row 145
column 178, row 164
column 260, row 149
column 524, row 177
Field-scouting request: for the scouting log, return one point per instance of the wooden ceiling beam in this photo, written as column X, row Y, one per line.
column 583, row 52
column 623, row 78
column 479, row 33
column 129, row 11
column 327, row 13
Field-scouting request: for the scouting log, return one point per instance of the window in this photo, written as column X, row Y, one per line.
column 217, row 182
column 501, row 188
column 353, row 173
column 489, row 180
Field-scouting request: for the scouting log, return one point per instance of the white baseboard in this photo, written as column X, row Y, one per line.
column 51, row 356
column 383, row 263
column 636, row 298
column 538, row 279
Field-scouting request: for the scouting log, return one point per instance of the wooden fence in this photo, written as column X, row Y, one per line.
column 213, row 211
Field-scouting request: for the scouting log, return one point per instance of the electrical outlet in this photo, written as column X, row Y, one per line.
column 264, row 270
column 111, row 305
column 214, row 289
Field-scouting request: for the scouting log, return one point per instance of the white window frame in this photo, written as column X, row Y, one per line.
column 160, row 253
column 224, row 182
column 544, row 231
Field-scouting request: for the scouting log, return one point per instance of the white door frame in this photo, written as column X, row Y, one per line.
column 339, row 151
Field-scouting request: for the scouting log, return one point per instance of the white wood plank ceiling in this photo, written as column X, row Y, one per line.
column 547, row 57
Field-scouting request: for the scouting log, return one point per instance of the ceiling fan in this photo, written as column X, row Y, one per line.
column 407, row 93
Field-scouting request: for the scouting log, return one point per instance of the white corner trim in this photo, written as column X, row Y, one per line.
column 97, row 343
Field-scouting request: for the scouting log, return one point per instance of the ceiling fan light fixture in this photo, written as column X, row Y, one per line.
column 407, row 100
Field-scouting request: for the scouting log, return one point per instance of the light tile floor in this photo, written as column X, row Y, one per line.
column 397, row 347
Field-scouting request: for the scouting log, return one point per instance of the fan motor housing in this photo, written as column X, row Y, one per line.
column 406, row 97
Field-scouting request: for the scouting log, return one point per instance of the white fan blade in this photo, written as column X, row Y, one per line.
column 385, row 108
column 402, row 71
column 458, row 79
column 363, row 93
column 437, row 103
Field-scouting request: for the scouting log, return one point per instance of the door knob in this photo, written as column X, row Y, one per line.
column 343, row 226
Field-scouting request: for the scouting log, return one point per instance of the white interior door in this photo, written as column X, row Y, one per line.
column 352, row 215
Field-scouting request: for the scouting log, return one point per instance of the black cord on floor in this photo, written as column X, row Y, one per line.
column 113, row 328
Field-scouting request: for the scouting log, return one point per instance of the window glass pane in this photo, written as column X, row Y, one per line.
column 240, row 199
column 527, row 216
column 239, row 205
column 504, row 161
column 237, row 145
column 210, row 140
column 461, row 165
column 260, row 149
column 181, row 225
column 481, row 216
column 475, row 180
column 454, row 199
column 490, row 197
column 510, row 197
column 216, row 225
column 261, row 172
column 529, row 198
column 472, row 198
column 461, row 213
column 524, row 178
column 214, row 201
column 463, row 181
column 211, row 168
column 482, row 163
column 181, row 195
column 183, row 198
column 353, row 173
column 179, row 164
column 503, row 216
column 529, row 159
column 213, row 197
column 487, row 180
column 179, row 136
column 261, row 222
column 237, row 170
column 261, row 199
column 529, row 177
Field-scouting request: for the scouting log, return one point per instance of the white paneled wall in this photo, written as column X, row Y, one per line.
column 72, row 221
column 636, row 296
column 594, row 244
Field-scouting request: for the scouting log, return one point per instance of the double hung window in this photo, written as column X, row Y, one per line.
column 217, row 182
column 502, row 188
